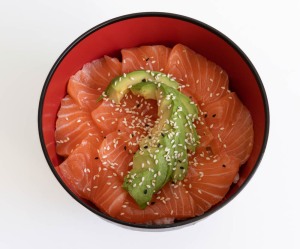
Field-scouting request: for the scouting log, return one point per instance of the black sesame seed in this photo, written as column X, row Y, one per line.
column 146, row 147
column 149, row 137
column 143, row 80
column 223, row 165
column 163, row 135
column 125, row 147
column 179, row 161
column 153, row 202
column 138, row 105
column 214, row 115
column 205, row 115
column 147, row 59
column 96, row 158
column 181, row 167
column 145, row 191
column 158, row 145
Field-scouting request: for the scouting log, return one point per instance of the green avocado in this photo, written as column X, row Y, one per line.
column 163, row 154
column 119, row 86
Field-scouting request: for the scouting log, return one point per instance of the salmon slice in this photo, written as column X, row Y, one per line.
column 73, row 124
column 209, row 179
column 172, row 202
column 85, row 175
column 152, row 58
column 77, row 170
column 87, row 84
column 231, row 124
column 200, row 78
column 107, row 193
column 107, row 115
column 136, row 127
column 114, row 154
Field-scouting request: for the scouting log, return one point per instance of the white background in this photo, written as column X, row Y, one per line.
column 35, row 211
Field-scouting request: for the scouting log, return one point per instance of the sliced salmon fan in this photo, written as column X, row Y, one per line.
column 97, row 139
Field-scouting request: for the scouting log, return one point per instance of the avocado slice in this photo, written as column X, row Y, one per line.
column 163, row 154
column 139, row 184
column 119, row 86
column 149, row 174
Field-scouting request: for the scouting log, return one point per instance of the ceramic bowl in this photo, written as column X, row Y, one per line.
column 133, row 30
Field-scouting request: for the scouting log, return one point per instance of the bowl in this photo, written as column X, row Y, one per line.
column 168, row 29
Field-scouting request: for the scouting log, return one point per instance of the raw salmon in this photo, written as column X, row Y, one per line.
column 114, row 154
column 107, row 193
column 152, row 58
column 77, row 170
column 87, row 84
column 171, row 202
column 209, row 178
column 231, row 124
column 85, row 175
column 99, row 139
column 107, row 115
column 73, row 124
column 200, row 78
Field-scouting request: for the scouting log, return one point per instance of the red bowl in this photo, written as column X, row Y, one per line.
column 138, row 29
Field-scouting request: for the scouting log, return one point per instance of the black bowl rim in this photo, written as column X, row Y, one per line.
column 173, row 16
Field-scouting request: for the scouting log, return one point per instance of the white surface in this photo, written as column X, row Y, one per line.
column 35, row 210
